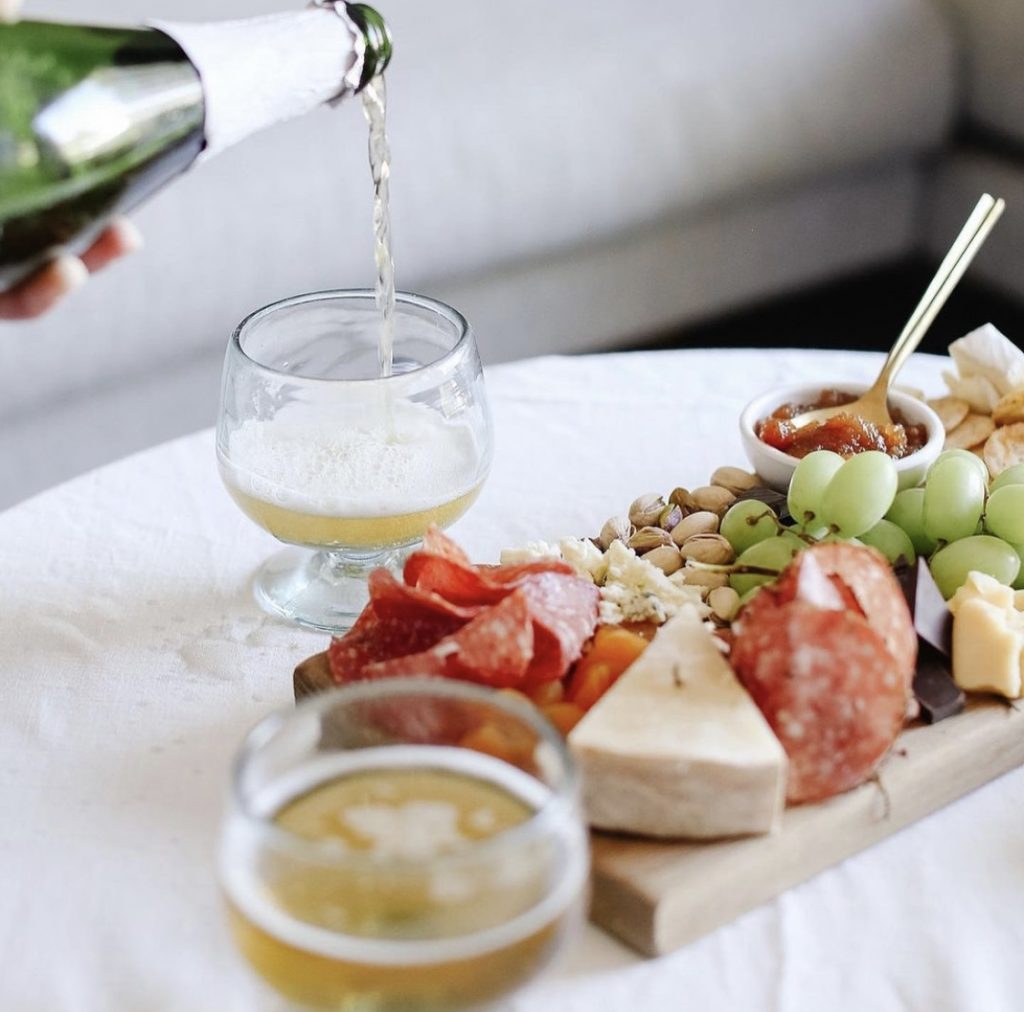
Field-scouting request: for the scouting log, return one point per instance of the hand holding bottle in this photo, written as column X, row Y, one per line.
column 40, row 292
column 44, row 289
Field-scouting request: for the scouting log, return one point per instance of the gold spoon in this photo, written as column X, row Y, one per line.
column 873, row 405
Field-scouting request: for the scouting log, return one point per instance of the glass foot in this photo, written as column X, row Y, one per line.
column 320, row 590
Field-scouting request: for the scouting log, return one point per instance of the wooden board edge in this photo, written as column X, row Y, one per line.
column 312, row 676
column 659, row 897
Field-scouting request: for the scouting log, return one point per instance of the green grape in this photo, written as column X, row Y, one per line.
column 747, row 523
column 860, row 493
column 838, row 539
column 1011, row 476
column 950, row 565
column 773, row 553
column 1018, row 584
column 892, row 541
column 954, row 499
column 972, row 458
column 1004, row 514
column 808, row 483
column 907, row 513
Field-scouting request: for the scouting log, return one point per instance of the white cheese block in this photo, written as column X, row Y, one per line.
column 677, row 748
column 988, row 644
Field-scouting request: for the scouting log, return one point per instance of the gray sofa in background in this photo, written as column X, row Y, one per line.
column 572, row 175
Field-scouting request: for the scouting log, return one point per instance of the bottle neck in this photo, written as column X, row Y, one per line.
column 261, row 71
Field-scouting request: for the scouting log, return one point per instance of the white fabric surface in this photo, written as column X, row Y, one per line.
column 133, row 661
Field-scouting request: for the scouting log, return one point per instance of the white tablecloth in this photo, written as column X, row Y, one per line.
column 134, row 660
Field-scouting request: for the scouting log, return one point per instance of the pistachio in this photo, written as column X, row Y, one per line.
column 724, row 603
column 615, row 529
column 711, row 548
column 701, row 522
column 712, row 498
column 644, row 512
column 679, row 498
column 649, row 538
column 670, row 517
column 666, row 558
column 704, row 578
column 735, row 479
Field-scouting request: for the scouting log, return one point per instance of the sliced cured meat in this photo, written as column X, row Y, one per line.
column 495, row 648
column 876, row 590
column 828, row 686
column 374, row 639
column 564, row 612
column 394, row 600
column 503, row 625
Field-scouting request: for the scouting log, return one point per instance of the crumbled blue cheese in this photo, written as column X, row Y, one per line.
column 637, row 591
column 532, row 551
column 585, row 557
column 632, row 590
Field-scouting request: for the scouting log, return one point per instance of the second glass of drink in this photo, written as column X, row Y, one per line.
column 327, row 455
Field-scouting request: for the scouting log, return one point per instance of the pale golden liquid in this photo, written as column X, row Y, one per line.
column 317, row 530
column 400, row 905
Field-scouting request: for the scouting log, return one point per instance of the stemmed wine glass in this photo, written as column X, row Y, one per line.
column 325, row 453
column 412, row 844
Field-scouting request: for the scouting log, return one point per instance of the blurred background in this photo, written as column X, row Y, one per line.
column 575, row 176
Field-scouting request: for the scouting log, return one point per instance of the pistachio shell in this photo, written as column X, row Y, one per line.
column 724, row 603
column 615, row 529
column 712, row 498
column 680, row 497
column 666, row 558
column 710, row 548
column 648, row 538
column 701, row 522
column 704, row 578
column 670, row 517
column 735, row 479
column 644, row 511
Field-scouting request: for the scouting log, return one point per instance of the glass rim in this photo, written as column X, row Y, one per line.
column 438, row 308
column 563, row 797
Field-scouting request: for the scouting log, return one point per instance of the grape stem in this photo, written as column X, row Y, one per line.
column 733, row 568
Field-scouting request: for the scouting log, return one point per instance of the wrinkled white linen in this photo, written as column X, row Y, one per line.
column 133, row 660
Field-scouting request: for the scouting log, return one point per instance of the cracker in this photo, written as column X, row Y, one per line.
column 974, row 429
column 1010, row 408
column 1004, row 448
column 951, row 410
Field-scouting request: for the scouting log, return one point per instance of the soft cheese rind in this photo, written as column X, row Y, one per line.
column 677, row 748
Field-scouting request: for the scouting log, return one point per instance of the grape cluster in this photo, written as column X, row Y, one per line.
column 955, row 519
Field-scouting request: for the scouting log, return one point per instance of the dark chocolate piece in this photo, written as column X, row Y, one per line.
column 932, row 617
column 940, row 697
column 769, row 497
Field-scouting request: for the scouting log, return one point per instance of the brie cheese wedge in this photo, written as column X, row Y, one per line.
column 677, row 748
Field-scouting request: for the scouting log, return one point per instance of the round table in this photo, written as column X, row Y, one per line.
column 134, row 660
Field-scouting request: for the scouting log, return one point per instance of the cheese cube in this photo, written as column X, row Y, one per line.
column 677, row 748
column 988, row 644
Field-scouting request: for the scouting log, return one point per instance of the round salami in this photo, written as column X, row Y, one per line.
column 828, row 686
column 876, row 591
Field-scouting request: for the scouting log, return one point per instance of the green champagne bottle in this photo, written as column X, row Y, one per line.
column 95, row 120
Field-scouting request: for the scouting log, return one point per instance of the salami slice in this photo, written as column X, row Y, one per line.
column 394, row 600
column 495, row 648
column 828, row 686
column 877, row 593
column 564, row 612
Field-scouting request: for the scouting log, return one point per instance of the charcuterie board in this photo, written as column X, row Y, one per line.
column 659, row 896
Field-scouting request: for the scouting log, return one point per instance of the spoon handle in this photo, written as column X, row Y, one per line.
column 984, row 216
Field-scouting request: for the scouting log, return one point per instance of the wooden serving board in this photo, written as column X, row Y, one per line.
column 659, row 896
